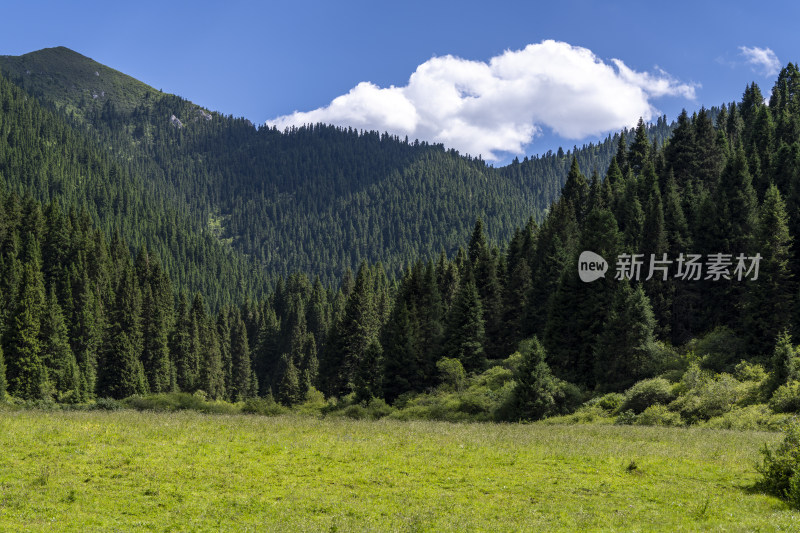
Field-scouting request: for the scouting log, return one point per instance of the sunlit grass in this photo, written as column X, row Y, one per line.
column 142, row 471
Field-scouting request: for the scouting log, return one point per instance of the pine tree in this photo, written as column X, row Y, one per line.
column 622, row 349
column 155, row 352
column 576, row 190
column 121, row 371
column 240, row 357
column 289, row 391
column 212, row 376
column 57, row 354
column 680, row 153
column 578, row 309
column 536, row 388
column 3, row 382
column 401, row 369
column 465, row 336
column 184, row 343
column 639, row 152
column 357, row 329
column 770, row 298
column 27, row 377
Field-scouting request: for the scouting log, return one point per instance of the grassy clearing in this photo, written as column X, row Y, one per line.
column 184, row 471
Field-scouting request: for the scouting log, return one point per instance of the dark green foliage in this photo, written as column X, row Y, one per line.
column 536, row 393
column 770, row 299
column 242, row 372
column 3, row 382
column 57, row 356
column 646, row 393
column 623, row 349
column 231, row 213
column 27, row 377
column 289, row 390
column 465, row 336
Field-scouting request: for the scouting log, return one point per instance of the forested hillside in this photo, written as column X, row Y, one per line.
column 512, row 332
column 43, row 159
column 317, row 199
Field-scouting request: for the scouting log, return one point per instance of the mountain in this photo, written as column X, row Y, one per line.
column 317, row 199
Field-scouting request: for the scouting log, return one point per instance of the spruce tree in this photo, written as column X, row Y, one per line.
column 3, row 382
column 57, row 354
column 27, row 377
column 623, row 348
column 639, row 152
column 401, row 368
column 769, row 300
column 576, row 190
column 465, row 337
column 536, row 389
column 242, row 376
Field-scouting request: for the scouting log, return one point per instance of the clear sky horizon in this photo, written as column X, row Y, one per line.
column 513, row 78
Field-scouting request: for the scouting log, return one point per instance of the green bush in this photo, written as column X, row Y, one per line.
column 263, row 406
column 787, row 398
column 452, row 372
column 107, row 404
column 626, row 418
column 720, row 350
column 588, row 414
column 610, row 402
column 752, row 417
column 658, row 415
column 179, row 401
column 355, row 411
column 780, row 469
column 646, row 393
column 378, row 408
column 705, row 396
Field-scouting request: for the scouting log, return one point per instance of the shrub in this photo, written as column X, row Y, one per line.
column 588, row 414
column 720, row 350
column 610, row 402
column 355, row 411
column 658, row 415
column 752, row 417
column 493, row 378
column 107, row 404
column 646, row 393
column 780, row 469
column 262, row 406
column 378, row 408
column 179, row 401
column 626, row 418
column 706, row 396
column 787, row 398
column 452, row 372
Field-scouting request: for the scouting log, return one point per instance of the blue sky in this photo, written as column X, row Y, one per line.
column 268, row 60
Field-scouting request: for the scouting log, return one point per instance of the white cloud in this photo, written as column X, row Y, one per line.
column 762, row 59
column 500, row 106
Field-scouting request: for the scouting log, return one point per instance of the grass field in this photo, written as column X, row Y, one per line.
column 141, row 471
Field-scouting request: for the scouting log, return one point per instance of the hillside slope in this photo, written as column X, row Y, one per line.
column 318, row 199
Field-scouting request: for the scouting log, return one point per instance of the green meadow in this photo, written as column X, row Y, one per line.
column 186, row 471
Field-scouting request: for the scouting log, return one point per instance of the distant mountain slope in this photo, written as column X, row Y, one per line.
column 44, row 158
column 317, row 199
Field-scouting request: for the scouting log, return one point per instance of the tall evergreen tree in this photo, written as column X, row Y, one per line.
column 242, row 373
column 57, row 356
column 623, row 347
column 27, row 377
column 465, row 336
column 769, row 299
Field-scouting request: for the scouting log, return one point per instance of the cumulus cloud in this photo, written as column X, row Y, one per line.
column 500, row 106
column 762, row 59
